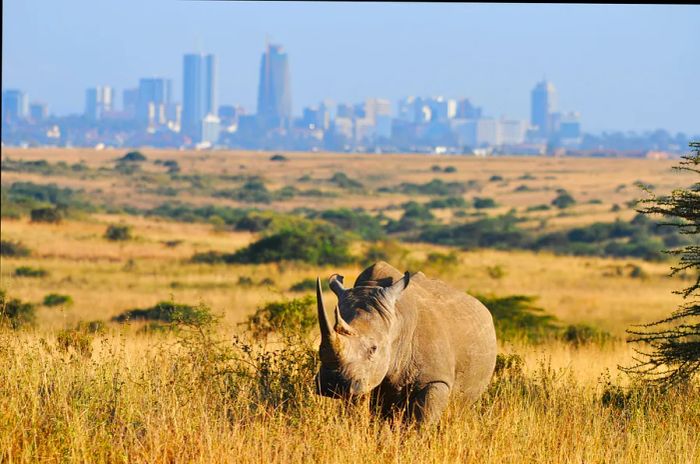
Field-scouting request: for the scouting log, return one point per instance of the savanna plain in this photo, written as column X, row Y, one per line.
column 157, row 305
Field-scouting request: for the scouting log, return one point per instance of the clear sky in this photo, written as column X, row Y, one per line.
column 623, row 67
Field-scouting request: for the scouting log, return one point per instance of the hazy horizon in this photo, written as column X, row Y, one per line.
column 622, row 67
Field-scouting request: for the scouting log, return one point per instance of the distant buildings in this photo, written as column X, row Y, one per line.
column 543, row 106
column 422, row 124
column 98, row 101
column 153, row 101
column 15, row 105
column 199, row 92
column 274, row 92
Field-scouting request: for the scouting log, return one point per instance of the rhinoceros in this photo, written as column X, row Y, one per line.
column 409, row 342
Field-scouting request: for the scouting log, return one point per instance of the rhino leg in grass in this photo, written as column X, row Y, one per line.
column 408, row 341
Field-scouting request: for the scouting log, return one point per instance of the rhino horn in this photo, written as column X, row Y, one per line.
column 335, row 282
column 327, row 332
column 341, row 326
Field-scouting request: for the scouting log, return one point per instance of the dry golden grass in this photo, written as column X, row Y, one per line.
column 140, row 398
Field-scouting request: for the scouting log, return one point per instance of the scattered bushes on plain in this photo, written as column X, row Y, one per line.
column 118, row 233
column 311, row 242
column 28, row 271
column 343, row 181
column 289, row 317
column 49, row 215
column 563, row 200
column 133, row 156
column 168, row 312
column 483, row 203
column 15, row 313
column 56, row 299
column 13, row 249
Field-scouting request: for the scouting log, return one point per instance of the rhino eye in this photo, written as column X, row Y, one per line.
column 372, row 350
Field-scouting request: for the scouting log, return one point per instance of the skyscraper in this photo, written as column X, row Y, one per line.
column 15, row 105
column 274, row 93
column 98, row 100
column 199, row 92
column 153, row 100
column 544, row 103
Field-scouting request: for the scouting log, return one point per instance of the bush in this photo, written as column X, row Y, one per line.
column 116, row 232
column 49, row 215
column 495, row 178
column 304, row 285
column 78, row 339
column 357, row 221
column 291, row 317
column 448, row 202
column 310, row 242
column 13, row 249
column 133, row 156
column 450, row 169
column 14, row 313
column 343, row 181
column 28, row 271
column 278, row 157
column 56, row 299
column 482, row 203
column 168, row 312
column 516, row 316
column 563, row 200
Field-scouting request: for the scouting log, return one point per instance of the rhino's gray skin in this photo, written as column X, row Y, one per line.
column 410, row 342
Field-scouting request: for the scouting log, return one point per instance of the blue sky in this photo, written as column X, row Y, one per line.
column 623, row 67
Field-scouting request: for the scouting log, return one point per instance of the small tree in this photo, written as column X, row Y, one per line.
column 675, row 340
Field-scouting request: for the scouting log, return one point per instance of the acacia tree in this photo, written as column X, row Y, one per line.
column 674, row 342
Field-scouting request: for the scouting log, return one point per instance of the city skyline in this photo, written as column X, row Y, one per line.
column 488, row 67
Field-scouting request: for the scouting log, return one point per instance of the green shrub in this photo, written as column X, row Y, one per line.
column 49, row 215
column 495, row 178
column 168, row 312
column 538, row 208
column 118, row 232
column 343, row 181
column 14, row 313
column 357, row 221
column 278, row 157
column 304, row 285
column 482, row 203
column 77, row 339
column 516, row 316
column 563, row 200
column 450, row 169
column 310, row 242
column 28, row 271
column 289, row 317
column 56, row 299
column 13, row 249
column 133, row 156
column 448, row 202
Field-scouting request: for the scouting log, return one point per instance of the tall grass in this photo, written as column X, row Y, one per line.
column 200, row 397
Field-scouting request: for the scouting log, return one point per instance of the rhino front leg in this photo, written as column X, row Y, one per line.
column 429, row 403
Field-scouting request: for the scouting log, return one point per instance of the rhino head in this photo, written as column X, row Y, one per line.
column 356, row 350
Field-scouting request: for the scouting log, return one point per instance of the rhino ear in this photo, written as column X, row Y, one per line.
column 335, row 282
column 392, row 294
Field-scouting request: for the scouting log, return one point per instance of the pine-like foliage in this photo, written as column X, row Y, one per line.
column 674, row 342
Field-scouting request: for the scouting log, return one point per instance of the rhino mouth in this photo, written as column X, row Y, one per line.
column 332, row 384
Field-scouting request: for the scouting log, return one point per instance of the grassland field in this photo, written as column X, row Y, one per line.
column 142, row 397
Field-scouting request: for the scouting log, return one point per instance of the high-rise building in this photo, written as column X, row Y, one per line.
column 15, row 105
column 98, row 100
column 544, row 104
column 38, row 111
column 153, row 100
column 199, row 92
column 466, row 110
column 130, row 98
column 274, row 92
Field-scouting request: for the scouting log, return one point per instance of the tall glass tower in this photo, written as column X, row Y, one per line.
column 544, row 104
column 199, row 92
column 274, row 93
